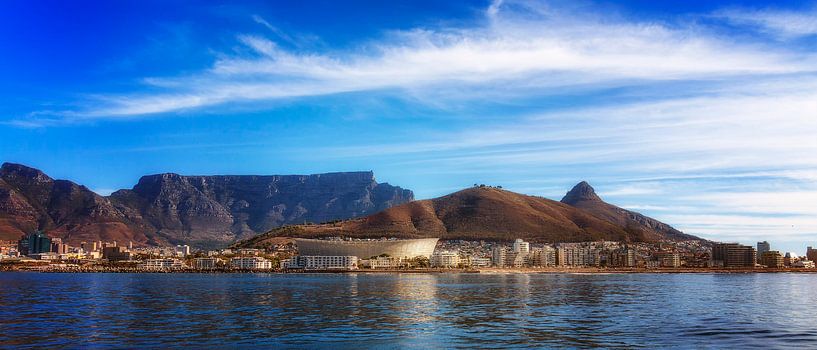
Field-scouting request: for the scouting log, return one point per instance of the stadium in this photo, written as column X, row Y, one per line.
column 364, row 249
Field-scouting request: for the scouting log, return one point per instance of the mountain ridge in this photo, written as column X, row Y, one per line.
column 487, row 213
column 169, row 208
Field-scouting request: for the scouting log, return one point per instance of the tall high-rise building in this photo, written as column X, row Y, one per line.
column 36, row 243
column 762, row 247
column 811, row 254
column 520, row 246
column 733, row 255
column 499, row 255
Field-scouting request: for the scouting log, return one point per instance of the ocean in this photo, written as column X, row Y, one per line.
column 407, row 310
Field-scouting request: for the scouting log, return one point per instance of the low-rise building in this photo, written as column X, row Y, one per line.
column 115, row 253
column 479, row 262
column 251, row 263
column 804, row 264
column 382, row 262
column 205, row 263
column 161, row 264
column 445, row 259
column 315, row 262
column 772, row 259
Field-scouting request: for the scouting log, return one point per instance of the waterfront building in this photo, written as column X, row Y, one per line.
column 115, row 253
column 382, row 262
column 576, row 254
column 160, row 264
column 762, row 247
column 543, row 257
column 45, row 256
column 35, row 243
column 445, row 259
column 520, row 246
column 312, row 262
column 668, row 259
column 624, row 257
column 479, row 262
column 772, row 259
column 364, row 249
column 731, row 255
column 790, row 259
column 182, row 250
column 499, row 256
column 516, row 260
column 250, row 263
column 811, row 253
column 205, row 263
column 808, row 264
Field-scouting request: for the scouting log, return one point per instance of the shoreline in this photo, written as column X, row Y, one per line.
column 544, row 270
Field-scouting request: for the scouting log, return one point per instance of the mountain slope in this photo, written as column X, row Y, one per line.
column 31, row 200
column 478, row 214
column 584, row 197
column 175, row 209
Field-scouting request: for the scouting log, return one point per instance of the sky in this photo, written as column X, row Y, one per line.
column 700, row 114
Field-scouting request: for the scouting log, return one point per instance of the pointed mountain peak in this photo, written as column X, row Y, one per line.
column 581, row 192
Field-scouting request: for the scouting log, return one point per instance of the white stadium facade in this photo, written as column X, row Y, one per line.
column 365, row 249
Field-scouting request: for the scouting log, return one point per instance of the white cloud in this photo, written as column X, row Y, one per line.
column 776, row 22
column 524, row 47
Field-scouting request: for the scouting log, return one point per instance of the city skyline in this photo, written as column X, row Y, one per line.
column 700, row 115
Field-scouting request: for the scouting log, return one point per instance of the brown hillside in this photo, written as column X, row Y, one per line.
column 480, row 214
column 644, row 228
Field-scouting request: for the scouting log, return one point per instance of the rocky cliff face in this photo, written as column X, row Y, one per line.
column 172, row 209
column 31, row 200
column 583, row 196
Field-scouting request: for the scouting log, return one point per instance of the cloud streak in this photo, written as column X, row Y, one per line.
column 523, row 47
column 785, row 24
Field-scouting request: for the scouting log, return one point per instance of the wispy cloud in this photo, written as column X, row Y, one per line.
column 785, row 24
column 524, row 47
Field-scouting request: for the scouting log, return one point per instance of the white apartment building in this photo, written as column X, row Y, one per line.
column 520, row 246
column 315, row 262
column 161, row 264
column 382, row 262
column 480, row 262
column 205, row 263
column 182, row 250
column 446, row 259
column 251, row 263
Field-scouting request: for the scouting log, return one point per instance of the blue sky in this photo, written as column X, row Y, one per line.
column 702, row 115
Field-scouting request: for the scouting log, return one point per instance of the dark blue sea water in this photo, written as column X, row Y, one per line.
column 362, row 311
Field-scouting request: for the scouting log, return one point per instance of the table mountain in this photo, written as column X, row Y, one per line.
column 176, row 209
column 487, row 213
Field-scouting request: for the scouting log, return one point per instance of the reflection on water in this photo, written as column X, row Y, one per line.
column 408, row 310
